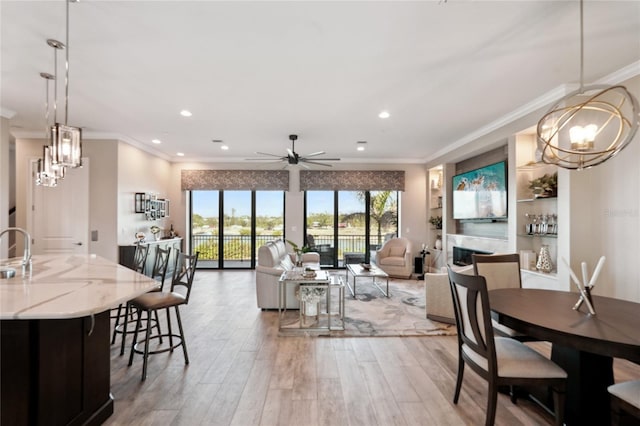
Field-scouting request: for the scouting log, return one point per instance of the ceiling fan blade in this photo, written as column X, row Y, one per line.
column 314, row 154
column 321, row 159
column 291, row 153
column 302, row 160
column 271, row 160
column 304, row 165
column 270, row 155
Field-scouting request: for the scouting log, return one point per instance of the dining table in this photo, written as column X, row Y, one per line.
column 585, row 345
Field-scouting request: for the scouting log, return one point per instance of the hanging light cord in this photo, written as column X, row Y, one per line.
column 66, row 79
column 581, row 47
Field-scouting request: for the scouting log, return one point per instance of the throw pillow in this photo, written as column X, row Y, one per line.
column 286, row 263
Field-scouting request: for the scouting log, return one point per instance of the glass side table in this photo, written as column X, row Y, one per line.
column 321, row 302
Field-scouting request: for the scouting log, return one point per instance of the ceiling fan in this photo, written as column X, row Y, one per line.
column 293, row 158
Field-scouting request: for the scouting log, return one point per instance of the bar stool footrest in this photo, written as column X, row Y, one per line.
column 158, row 351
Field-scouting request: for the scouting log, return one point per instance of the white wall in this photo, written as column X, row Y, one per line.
column 4, row 183
column 139, row 171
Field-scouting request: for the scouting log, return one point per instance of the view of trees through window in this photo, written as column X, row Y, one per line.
column 227, row 227
column 349, row 222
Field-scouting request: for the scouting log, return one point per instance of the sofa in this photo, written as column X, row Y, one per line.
column 395, row 258
column 273, row 260
column 437, row 292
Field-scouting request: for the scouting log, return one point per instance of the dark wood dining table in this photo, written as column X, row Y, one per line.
column 583, row 344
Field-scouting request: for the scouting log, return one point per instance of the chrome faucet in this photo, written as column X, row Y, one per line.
column 26, row 256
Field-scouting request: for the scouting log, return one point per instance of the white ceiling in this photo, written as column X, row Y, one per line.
column 254, row 72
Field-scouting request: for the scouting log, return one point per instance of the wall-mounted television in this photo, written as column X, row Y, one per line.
column 481, row 193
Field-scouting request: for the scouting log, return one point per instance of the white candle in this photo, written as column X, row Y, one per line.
column 596, row 272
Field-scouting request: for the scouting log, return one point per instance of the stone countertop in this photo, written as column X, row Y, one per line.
column 68, row 286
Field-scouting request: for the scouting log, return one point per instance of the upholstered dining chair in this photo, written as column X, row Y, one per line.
column 178, row 295
column 158, row 273
column 500, row 271
column 625, row 402
column 501, row 361
column 139, row 262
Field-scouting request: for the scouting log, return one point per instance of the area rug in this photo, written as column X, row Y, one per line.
column 373, row 314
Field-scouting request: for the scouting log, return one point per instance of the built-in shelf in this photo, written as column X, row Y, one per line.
column 530, row 200
column 538, row 235
column 552, row 274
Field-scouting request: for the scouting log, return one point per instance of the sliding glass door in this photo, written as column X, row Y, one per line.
column 346, row 226
column 227, row 227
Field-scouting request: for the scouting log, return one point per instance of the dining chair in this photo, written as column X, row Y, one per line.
column 625, row 402
column 501, row 361
column 178, row 295
column 500, row 271
column 139, row 265
column 158, row 273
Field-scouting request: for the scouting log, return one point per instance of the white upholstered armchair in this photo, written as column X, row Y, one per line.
column 395, row 258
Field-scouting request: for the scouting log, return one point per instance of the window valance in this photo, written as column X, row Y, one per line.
column 352, row 180
column 258, row 180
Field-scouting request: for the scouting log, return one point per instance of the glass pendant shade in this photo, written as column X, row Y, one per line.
column 66, row 144
column 588, row 126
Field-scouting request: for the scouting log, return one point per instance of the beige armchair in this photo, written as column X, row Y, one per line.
column 395, row 258
column 437, row 292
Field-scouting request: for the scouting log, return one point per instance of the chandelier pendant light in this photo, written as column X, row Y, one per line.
column 66, row 141
column 47, row 172
column 587, row 126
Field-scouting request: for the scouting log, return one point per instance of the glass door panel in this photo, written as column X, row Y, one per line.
column 205, row 220
column 269, row 218
column 383, row 217
column 236, row 229
column 320, row 225
column 351, row 227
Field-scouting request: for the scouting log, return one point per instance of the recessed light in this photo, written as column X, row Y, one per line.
column 361, row 145
column 224, row 147
column 156, row 141
column 185, row 113
column 180, row 154
column 384, row 114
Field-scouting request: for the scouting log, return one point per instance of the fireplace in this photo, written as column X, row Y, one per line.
column 462, row 256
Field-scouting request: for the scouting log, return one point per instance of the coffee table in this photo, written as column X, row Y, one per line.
column 357, row 271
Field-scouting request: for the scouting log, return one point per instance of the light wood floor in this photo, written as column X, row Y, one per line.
column 242, row 373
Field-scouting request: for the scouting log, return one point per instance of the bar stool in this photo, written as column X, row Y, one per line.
column 625, row 402
column 139, row 261
column 158, row 273
column 154, row 301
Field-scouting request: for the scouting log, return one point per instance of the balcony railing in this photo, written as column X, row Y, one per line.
column 238, row 247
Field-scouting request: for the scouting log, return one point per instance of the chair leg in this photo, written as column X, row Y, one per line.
column 459, row 380
column 492, row 400
column 124, row 327
column 157, row 325
column 115, row 326
column 184, row 342
column 558, row 405
column 135, row 337
column 168, row 312
column 146, row 346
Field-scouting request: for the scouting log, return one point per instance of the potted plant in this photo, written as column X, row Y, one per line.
column 436, row 221
column 298, row 251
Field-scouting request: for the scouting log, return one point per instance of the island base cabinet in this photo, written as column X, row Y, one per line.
column 55, row 371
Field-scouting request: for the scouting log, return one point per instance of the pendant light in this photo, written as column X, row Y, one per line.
column 48, row 173
column 587, row 126
column 66, row 141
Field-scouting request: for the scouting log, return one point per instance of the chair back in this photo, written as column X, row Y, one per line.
column 160, row 265
column 183, row 274
column 499, row 270
column 473, row 320
column 140, row 258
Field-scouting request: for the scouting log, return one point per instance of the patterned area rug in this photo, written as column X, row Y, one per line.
column 372, row 314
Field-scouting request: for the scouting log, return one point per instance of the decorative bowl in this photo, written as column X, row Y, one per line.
column 366, row 266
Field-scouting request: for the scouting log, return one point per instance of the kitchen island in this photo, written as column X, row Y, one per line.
column 55, row 338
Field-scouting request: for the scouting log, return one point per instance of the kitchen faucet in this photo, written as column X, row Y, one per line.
column 26, row 256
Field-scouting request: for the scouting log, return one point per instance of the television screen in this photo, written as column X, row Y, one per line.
column 481, row 193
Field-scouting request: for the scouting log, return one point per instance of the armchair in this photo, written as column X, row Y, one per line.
column 395, row 258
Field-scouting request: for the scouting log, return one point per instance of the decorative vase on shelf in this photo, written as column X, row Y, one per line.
column 544, row 259
column 438, row 244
